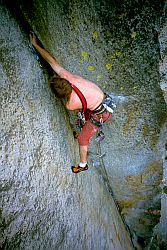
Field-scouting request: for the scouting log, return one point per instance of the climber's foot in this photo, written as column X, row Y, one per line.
column 76, row 169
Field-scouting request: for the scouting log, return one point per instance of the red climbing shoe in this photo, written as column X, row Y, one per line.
column 76, row 169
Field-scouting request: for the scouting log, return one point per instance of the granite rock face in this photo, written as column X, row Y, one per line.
column 44, row 205
column 161, row 228
column 115, row 45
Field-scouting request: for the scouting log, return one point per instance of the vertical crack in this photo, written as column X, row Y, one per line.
column 104, row 175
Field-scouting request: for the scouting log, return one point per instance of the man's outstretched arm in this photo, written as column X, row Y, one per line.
column 45, row 54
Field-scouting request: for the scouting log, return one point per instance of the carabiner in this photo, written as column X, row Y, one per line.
column 101, row 121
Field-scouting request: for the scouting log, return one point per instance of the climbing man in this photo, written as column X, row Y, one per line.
column 79, row 94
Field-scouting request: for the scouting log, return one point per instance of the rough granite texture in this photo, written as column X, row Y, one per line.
column 115, row 45
column 43, row 205
column 161, row 229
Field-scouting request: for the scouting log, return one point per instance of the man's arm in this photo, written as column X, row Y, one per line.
column 46, row 56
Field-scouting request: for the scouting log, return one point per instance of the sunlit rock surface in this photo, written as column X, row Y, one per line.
column 43, row 205
column 115, row 45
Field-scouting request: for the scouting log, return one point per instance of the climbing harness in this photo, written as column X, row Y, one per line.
column 107, row 104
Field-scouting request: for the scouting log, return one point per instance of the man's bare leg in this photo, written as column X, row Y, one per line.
column 83, row 150
column 82, row 166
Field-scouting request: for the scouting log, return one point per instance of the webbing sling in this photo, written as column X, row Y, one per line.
column 81, row 97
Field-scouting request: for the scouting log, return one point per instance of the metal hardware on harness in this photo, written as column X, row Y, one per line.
column 81, row 119
column 100, row 137
column 101, row 121
column 95, row 122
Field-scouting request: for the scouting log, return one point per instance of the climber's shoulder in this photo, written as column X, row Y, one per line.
column 69, row 76
column 66, row 74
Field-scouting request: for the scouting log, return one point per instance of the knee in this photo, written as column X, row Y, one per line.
column 82, row 141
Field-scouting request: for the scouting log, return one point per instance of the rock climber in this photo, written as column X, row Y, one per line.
column 76, row 90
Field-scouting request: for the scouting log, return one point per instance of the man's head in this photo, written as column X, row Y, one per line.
column 61, row 87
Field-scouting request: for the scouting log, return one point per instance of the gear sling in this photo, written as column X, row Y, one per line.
column 82, row 115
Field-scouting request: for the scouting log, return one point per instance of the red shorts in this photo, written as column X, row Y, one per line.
column 89, row 129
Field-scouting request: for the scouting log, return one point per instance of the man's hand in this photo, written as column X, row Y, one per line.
column 33, row 38
column 45, row 54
